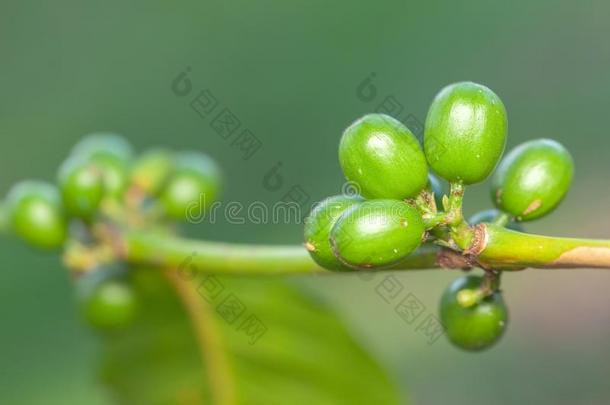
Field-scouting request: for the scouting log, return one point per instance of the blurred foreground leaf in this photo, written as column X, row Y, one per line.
column 281, row 347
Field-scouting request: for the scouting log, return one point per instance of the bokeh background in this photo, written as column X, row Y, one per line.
column 290, row 71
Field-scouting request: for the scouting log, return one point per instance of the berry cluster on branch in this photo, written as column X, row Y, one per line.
column 110, row 210
column 401, row 205
column 102, row 190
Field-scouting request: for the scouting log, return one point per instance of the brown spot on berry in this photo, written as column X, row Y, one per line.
column 532, row 207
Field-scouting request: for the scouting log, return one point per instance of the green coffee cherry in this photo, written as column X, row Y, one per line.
column 193, row 186
column 111, row 153
column 533, row 179
column 475, row 326
column 115, row 174
column 104, row 144
column 81, row 186
column 383, row 158
column 318, row 227
column 110, row 305
column 465, row 132
column 377, row 233
column 151, row 170
column 36, row 214
column 490, row 216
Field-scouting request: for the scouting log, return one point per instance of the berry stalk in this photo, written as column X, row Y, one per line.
column 213, row 354
column 194, row 256
column 503, row 248
column 492, row 247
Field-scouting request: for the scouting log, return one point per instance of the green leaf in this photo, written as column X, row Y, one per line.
column 280, row 346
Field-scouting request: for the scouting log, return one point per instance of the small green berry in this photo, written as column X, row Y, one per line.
column 377, row 233
column 110, row 305
column 465, row 132
column 533, row 179
column 36, row 214
column 104, row 144
column 490, row 216
column 115, row 174
column 318, row 227
column 152, row 169
column 81, row 186
column 472, row 327
column 112, row 154
column 194, row 183
column 383, row 158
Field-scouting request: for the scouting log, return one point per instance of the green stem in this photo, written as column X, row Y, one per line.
column 491, row 282
column 502, row 220
column 170, row 251
column 461, row 233
column 502, row 248
column 162, row 250
column 456, row 198
column 433, row 220
column 209, row 339
column 491, row 247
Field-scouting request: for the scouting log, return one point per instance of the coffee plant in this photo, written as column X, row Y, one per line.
column 113, row 215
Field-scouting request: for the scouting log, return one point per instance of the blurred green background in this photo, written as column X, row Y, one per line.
column 289, row 71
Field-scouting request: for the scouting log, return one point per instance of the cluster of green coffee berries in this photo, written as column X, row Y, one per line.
column 401, row 204
column 102, row 181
